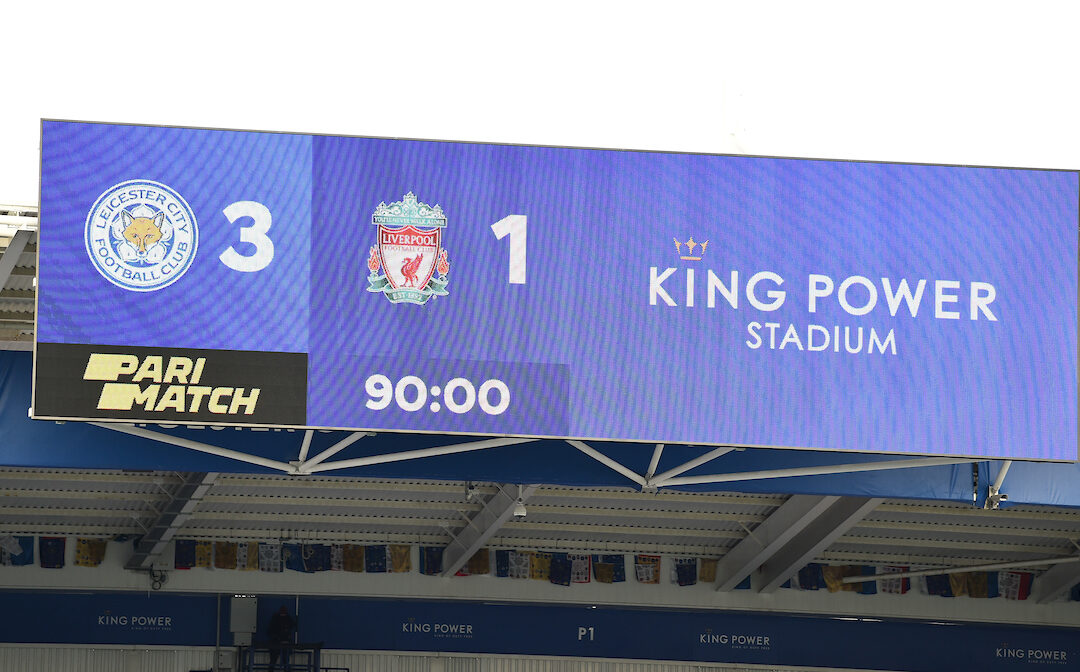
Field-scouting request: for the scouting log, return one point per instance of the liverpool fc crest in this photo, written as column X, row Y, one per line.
column 409, row 252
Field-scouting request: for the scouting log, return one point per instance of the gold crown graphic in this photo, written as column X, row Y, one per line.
column 690, row 245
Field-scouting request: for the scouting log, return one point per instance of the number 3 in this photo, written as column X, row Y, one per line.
column 254, row 234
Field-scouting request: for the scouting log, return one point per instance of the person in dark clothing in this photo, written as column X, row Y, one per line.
column 281, row 634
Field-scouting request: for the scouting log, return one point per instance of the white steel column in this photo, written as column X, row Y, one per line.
column 655, row 461
column 305, row 445
column 815, row 471
column 662, row 479
column 306, row 465
column 414, row 454
column 994, row 498
column 608, row 462
column 195, row 445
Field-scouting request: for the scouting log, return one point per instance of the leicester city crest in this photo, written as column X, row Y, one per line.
column 409, row 252
column 141, row 235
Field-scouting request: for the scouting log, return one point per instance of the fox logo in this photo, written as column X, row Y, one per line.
column 144, row 239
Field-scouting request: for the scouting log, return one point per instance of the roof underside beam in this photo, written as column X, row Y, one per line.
column 182, row 503
column 1055, row 581
column 765, row 540
column 814, row 537
column 482, row 525
column 12, row 252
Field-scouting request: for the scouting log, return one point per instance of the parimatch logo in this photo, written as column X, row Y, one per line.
column 159, row 384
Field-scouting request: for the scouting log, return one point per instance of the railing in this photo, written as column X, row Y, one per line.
column 304, row 657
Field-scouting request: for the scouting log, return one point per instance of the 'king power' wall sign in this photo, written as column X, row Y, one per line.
column 244, row 278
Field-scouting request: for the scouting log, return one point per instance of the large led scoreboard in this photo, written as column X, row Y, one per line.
column 268, row 279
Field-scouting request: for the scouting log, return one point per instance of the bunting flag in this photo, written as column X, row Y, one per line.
column 292, row 557
column 247, row 556
column 580, row 568
column 51, row 550
column 609, row 568
column 982, row 584
column 540, row 566
column 337, row 557
column 560, row 569
column 1015, row 585
column 375, row 559
column 204, row 554
column 895, row 586
column 684, row 571
column 270, row 557
column 17, row 551
column 958, row 584
column 834, row 576
column 502, row 563
column 811, row 577
column 225, row 554
column 184, row 554
column 647, row 568
column 834, row 579
column 618, row 562
column 939, row 584
column 10, row 544
column 867, row 587
column 520, row 561
column 707, row 570
column 316, row 557
column 89, row 552
column 352, row 558
column 604, row 571
column 479, row 563
column 400, row 558
column 431, row 560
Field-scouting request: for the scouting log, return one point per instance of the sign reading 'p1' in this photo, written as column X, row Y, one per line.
column 246, row 278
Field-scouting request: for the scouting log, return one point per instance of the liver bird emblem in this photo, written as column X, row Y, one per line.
column 409, row 266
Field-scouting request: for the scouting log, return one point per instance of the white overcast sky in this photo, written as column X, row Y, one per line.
column 951, row 82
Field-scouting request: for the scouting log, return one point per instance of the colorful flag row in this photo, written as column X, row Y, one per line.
column 18, row 551
column 1012, row 585
column 555, row 567
column 568, row 568
column 277, row 557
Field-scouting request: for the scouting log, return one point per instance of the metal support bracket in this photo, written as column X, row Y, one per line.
column 483, row 524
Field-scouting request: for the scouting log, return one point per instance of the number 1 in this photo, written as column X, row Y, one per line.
column 515, row 226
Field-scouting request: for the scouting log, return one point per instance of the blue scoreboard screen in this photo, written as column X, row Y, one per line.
column 268, row 279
